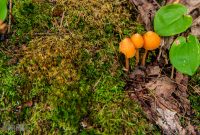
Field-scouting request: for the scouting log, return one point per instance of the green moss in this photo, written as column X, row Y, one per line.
column 195, row 98
column 50, row 59
column 77, row 74
column 112, row 112
column 30, row 18
column 9, row 91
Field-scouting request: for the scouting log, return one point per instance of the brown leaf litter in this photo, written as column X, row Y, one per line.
column 163, row 100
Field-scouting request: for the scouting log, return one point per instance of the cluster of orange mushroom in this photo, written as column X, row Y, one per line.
column 130, row 46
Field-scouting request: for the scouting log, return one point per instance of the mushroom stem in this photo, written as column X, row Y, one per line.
column 137, row 57
column 144, row 57
column 127, row 64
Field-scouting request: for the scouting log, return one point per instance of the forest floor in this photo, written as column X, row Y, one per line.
column 61, row 71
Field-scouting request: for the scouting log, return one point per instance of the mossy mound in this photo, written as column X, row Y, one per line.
column 74, row 77
column 50, row 59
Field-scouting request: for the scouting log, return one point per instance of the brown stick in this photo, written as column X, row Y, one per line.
column 144, row 57
column 127, row 64
column 172, row 73
column 137, row 57
column 10, row 16
column 61, row 22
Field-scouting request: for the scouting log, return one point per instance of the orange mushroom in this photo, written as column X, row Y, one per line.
column 128, row 49
column 138, row 42
column 151, row 42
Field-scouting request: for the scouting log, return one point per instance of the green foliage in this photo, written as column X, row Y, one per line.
column 171, row 20
column 3, row 9
column 185, row 55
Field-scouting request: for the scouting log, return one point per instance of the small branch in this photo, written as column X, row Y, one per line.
column 10, row 16
column 61, row 22
column 172, row 73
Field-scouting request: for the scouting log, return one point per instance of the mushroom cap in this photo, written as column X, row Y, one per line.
column 137, row 40
column 2, row 26
column 151, row 40
column 1, row 22
column 127, row 48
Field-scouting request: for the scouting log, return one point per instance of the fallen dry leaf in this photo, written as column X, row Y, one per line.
column 195, row 30
column 137, row 73
column 147, row 9
column 163, row 87
column 162, row 101
column 169, row 122
column 153, row 71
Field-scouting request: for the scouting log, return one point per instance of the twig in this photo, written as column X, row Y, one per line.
column 196, row 90
column 160, row 50
column 61, row 22
column 10, row 16
column 185, row 86
column 172, row 73
column 97, row 82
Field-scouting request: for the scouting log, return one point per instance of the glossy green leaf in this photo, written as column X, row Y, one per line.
column 171, row 20
column 3, row 9
column 185, row 55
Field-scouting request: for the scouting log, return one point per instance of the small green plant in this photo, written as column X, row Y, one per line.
column 3, row 9
column 172, row 20
column 185, row 55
